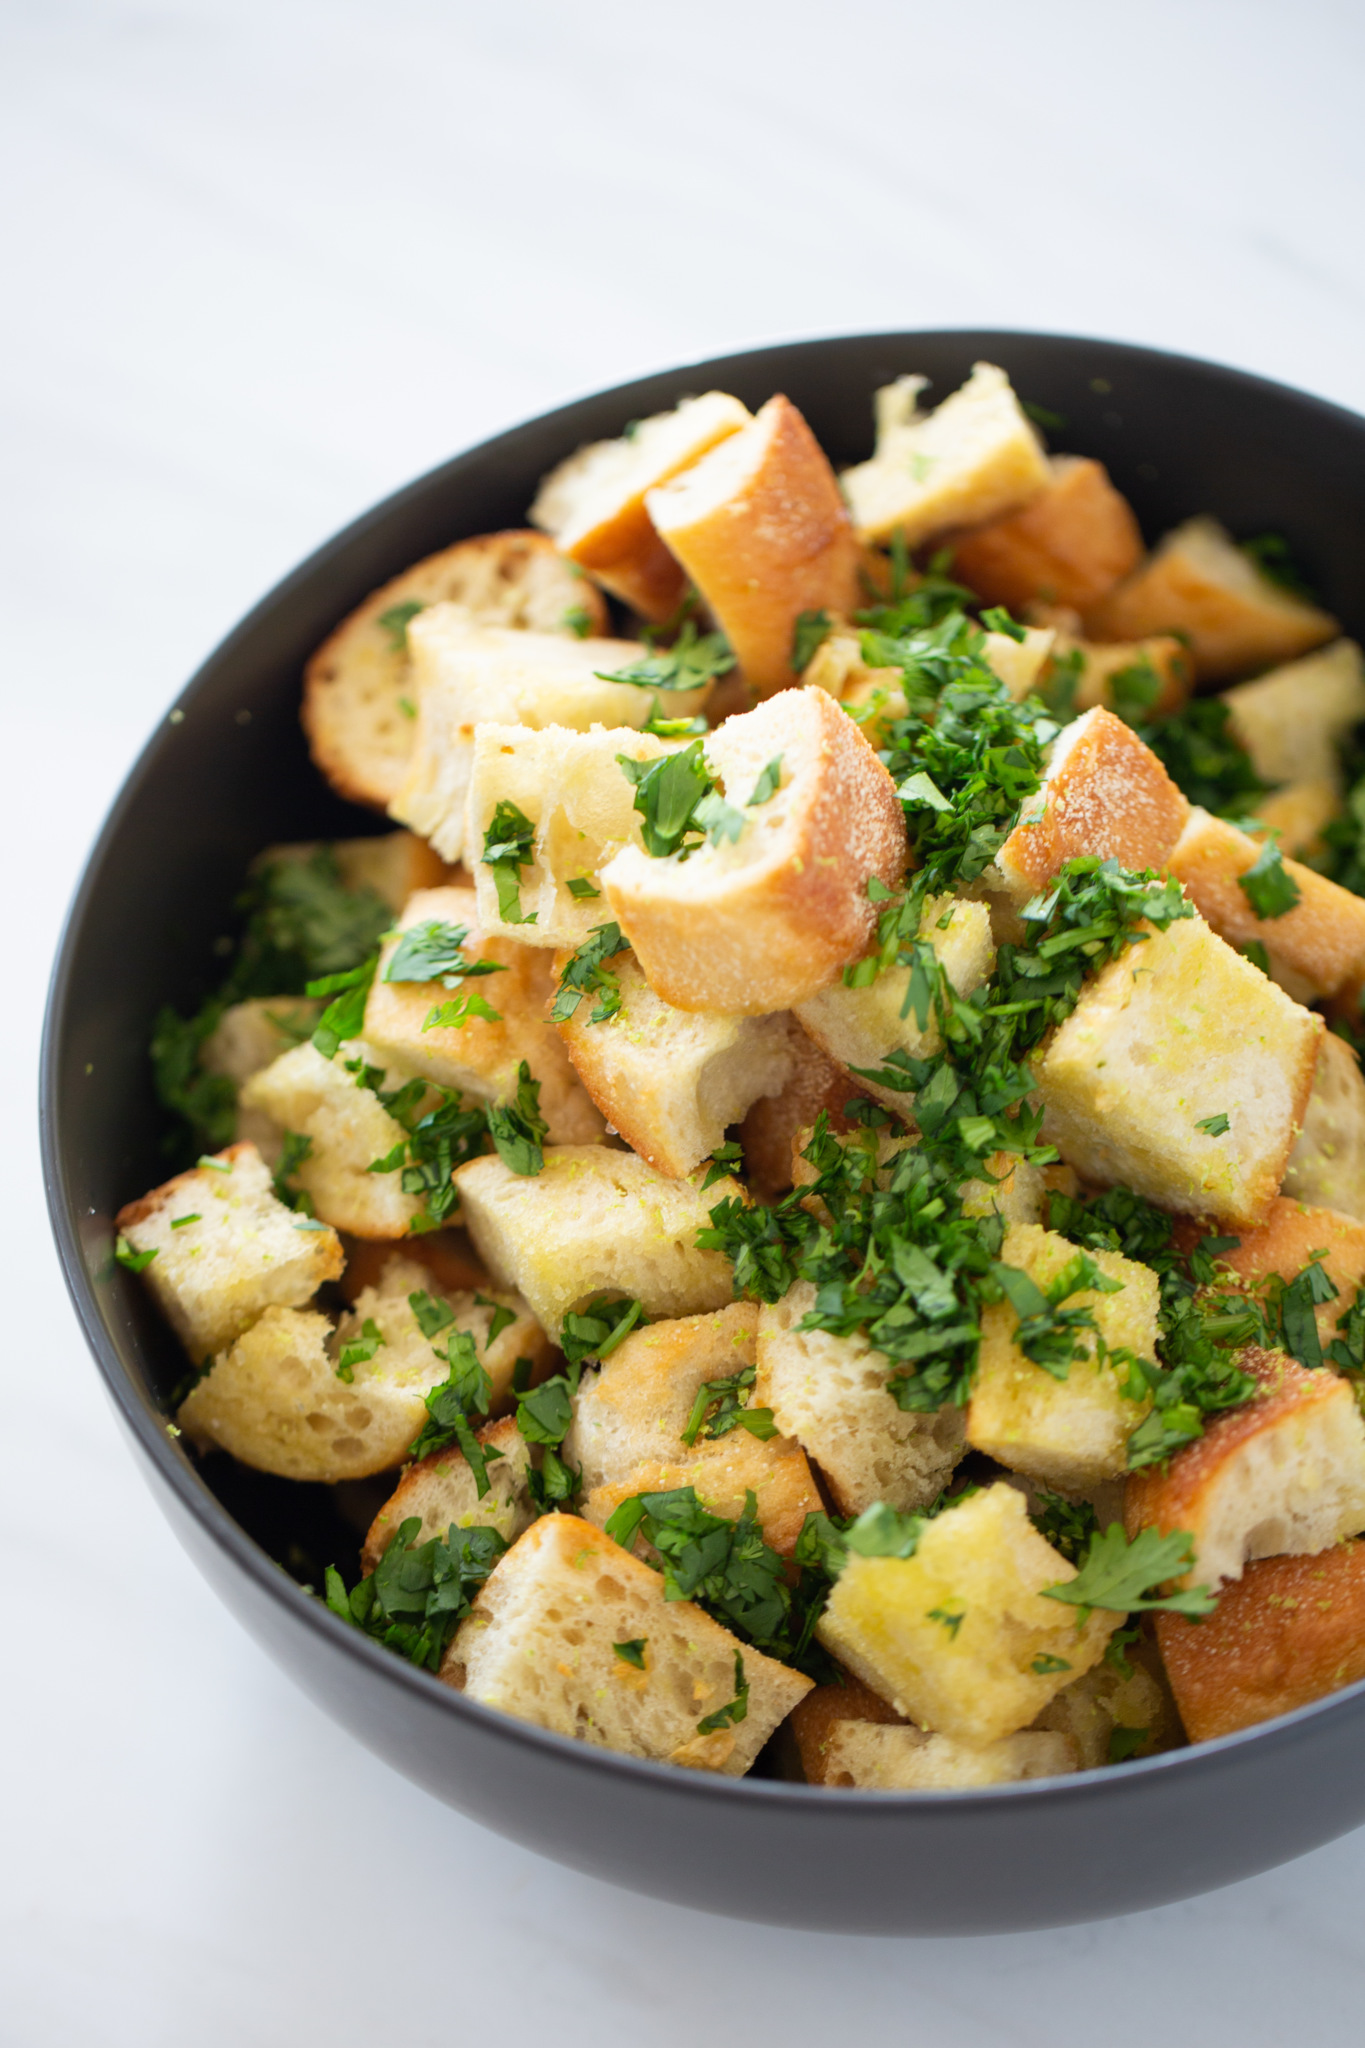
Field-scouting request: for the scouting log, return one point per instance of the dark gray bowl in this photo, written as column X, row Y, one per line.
column 227, row 773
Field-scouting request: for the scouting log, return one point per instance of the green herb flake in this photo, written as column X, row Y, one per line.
column 396, row 620
column 1125, row 1743
column 1268, row 886
column 181, row 1222
column 582, row 889
column 1214, row 1126
column 518, row 1129
column 693, row 661
column 810, row 633
column 136, row 1262
column 360, row 1350
column 735, row 1710
column 507, row 849
column 578, row 621
column 418, row 1594
column 632, row 1652
column 1045, row 1666
column 768, row 784
column 587, row 974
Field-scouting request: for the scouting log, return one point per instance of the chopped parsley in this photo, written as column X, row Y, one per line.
column 578, row 621
column 344, row 1016
column 433, row 951
column 694, row 660
column 735, row 1710
column 1125, row 1742
column 949, row 1619
column 633, row 1652
column 587, row 974
column 594, row 1332
column 1202, row 755
column 442, row 1133
column 518, row 1129
column 1069, row 1526
column 722, row 1405
column 1134, row 691
column 396, row 620
column 1214, row 1126
column 667, row 792
column 181, row 1222
column 136, row 1262
column 507, row 850
column 1268, row 886
column 1271, row 555
column 1118, row 1575
column 418, row 1593
column 463, row 1393
column 810, row 633
column 768, row 784
column 582, row 889
column 295, row 1149
column 361, row 1349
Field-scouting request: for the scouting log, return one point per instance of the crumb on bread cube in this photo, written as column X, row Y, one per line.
column 1293, row 721
column 1105, row 793
column 348, row 1129
column 1327, row 1164
column 1069, row 545
column 440, row 1491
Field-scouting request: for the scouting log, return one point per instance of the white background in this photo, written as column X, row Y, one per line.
column 259, row 263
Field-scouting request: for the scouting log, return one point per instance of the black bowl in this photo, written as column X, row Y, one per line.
column 227, row 773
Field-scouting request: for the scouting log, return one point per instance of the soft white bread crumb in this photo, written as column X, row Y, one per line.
column 466, row 675
column 762, row 531
column 775, row 1122
column 829, row 1393
column 1282, row 1476
column 593, row 505
column 1284, row 1245
column 247, row 1038
column 1071, row 1433
column 860, row 1755
column 1018, row 663
column 1104, row 793
column 592, row 1222
column 1088, row 1711
column 672, row 1081
column 440, row 1490
column 1199, row 583
column 406, row 1354
column 1153, row 674
column 392, row 864
column 1175, row 1032
column 480, row 1057
column 1292, row 722
column 1068, row 545
column 540, row 1644
column 953, row 1636
column 348, row 1128
column 760, row 923
column 974, row 458
column 356, row 685
column 245, row 1252
column 1327, row 1164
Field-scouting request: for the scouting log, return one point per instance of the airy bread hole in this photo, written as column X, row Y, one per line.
column 610, row 1589
column 348, row 1446
column 319, row 1424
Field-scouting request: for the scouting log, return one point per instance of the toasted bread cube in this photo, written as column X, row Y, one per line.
column 774, row 1473
column 391, row 865
column 1327, row 1164
column 1068, row 545
column 571, row 787
column 760, row 922
column 672, row 1081
column 1174, row 1033
column 973, row 459
column 1152, row 676
column 480, row 1057
column 860, row 1756
column 1088, row 1712
column 772, row 1126
column 466, row 675
column 243, row 1252
column 1105, row 793
column 860, row 1027
column 1072, row 1433
column 1315, row 949
column 761, row 529
column 447, row 1256
column 807, row 1734
column 1296, row 815
column 594, row 1222
column 1282, row 1476
column 829, row 1393
column 1292, row 722
column 1013, row 1189
column 406, row 1353
column 357, row 706
column 1291, row 1630
column 541, row 1644
column 247, row 1038
column 440, row 1490
column 1018, row 663
column 348, row 1128
column 1285, row 1242
column 954, row 1635
column 593, row 504
column 1200, row 584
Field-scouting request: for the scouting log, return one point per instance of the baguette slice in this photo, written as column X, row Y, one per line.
column 1105, row 793
column 1327, row 1165
column 440, row 1490
column 1293, row 721
column 1145, row 678
column 1069, row 545
column 348, row 1129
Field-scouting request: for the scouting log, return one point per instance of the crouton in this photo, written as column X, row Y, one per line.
column 1327, row 1164
column 806, row 1736
column 1315, row 949
column 247, row 1038
column 1068, row 545
column 447, row 1256
column 859, row 1755
column 672, row 1081
column 1011, row 1188
column 1142, row 678
column 1105, row 793
column 1282, row 1476
column 357, row 712
column 440, row 1490
column 542, row 1644
column 1018, row 663
column 1292, row 722
column 225, row 1249
column 1285, row 1242
column 570, row 788
column 592, row 1222
column 772, row 1126
column 466, row 675
column 1295, row 816
column 406, row 1352
column 761, row 529
column 593, row 505
column 391, row 865
column 482, row 1055
column 959, row 1637
column 348, row 1129
column 973, row 459
column 759, row 922
column 1290, row 1631
column 1174, row 1034
column 1200, row 584
column 1073, row 1432
column 774, row 1473
column 860, row 1027
column 1105, row 1710
column 829, row 1393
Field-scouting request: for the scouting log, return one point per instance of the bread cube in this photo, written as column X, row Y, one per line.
column 357, row 704
column 593, row 504
column 1290, row 1631
column 348, row 1128
column 762, row 531
column 247, row 1038
column 1293, row 721
column 593, row 1222
column 1327, row 1164
column 406, row 1353
column 906, row 1759
column 1071, row 1433
column 226, row 1249
column 1173, row 1034
column 1105, row 793
column 571, row 788
column 973, row 459
column 1200, row 584
column 1316, row 949
column 1283, row 1245
column 446, row 1255
column 541, row 1644
column 761, row 922
column 861, row 1027
column 1105, row 673
column 672, row 1081
column 829, row 1393
column 480, row 1057
column 1282, row 1476
column 775, row 1473
column 1018, row 663
column 1087, row 1712
column 392, row 864
column 466, row 675
column 440, row 1490
column 773, row 1124
column 954, row 1636
column 1068, row 545
column 1295, row 817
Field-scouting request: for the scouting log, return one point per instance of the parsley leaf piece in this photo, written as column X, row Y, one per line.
column 1268, row 886
column 136, row 1262
column 1134, row 691
column 455, row 1014
column 724, row 1162
column 768, row 784
column 1203, row 756
column 667, row 793
column 722, row 1405
column 632, row 1652
column 507, row 849
column 433, row 951
column 718, row 819
column 689, row 664
column 1125, row 1742
column 582, row 890
column 586, row 973
column 465, row 1391
column 595, row 1331
column 578, row 621
column 1270, row 553
column 735, row 1711
column 432, row 1315
column 951, row 1620
column 1118, row 1576
column 1215, row 1126
column 997, row 620
column 1047, row 1666
column 1069, row 1526
column 418, row 1593
column 544, row 1415
column 518, row 1129
column 181, row 1222
column 361, row 1349
column 674, row 728
column 344, row 1017
column 810, row 633
column 880, row 1531
column 295, row 1149
column 396, row 620
column 501, row 1319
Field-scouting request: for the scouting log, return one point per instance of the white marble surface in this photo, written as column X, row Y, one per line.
column 262, row 263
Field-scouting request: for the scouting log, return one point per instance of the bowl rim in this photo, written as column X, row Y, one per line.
column 149, row 1427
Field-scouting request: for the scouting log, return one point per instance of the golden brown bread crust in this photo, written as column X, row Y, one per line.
column 811, row 1721
column 447, row 1255
column 1106, row 793
column 722, row 1473
column 1282, row 1245
column 1070, row 545
column 769, row 1131
column 407, row 1498
column 1321, row 940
